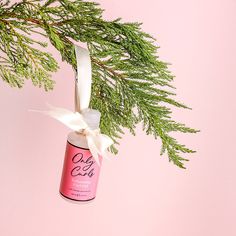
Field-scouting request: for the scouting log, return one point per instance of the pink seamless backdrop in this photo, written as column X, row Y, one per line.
column 139, row 193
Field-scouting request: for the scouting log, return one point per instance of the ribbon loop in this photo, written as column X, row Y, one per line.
column 83, row 79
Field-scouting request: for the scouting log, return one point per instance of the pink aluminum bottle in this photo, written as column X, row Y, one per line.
column 80, row 170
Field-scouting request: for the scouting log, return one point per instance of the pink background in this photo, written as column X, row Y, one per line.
column 139, row 193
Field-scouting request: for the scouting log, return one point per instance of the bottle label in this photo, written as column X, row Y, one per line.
column 80, row 174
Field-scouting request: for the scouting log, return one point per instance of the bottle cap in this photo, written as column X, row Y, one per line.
column 91, row 117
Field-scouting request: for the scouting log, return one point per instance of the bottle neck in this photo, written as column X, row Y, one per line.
column 92, row 118
column 77, row 139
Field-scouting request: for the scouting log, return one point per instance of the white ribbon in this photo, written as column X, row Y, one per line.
column 83, row 79
column 97, row 143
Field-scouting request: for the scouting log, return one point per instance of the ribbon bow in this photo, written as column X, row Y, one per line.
column 97, row 142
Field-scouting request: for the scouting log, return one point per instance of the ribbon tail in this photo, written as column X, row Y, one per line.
column 93, row 148
column 105, row 142
column 98, row 144
column 70, row 119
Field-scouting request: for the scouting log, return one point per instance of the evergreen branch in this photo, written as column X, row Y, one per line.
column 130, row 83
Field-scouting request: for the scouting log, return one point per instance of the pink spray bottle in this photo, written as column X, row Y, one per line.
column 80, row 171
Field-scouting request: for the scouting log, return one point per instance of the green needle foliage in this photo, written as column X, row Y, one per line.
column 130, row 83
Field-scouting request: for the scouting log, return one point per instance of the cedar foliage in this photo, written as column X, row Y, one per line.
column 130, row 83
